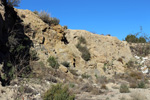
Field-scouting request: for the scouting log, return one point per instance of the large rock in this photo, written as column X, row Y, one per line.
column 102, row 48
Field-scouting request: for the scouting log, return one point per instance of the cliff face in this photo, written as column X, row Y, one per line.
column 60, row 43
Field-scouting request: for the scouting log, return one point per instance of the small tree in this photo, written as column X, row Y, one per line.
column 13, row 3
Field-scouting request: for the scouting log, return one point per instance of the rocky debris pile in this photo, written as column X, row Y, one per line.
column 144, row 63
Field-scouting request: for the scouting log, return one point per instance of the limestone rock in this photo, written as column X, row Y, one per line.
column 63, row 69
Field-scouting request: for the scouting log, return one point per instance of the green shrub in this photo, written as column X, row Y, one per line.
column 13, row 3
column 134, row 39
column 142, row 40
column 36, row 12
column 54, row 21
column 58, row 92
column 141, row 84
column 65, row 27
column 130, row 64
column 53, row 62
column 66, row 64
column 82, row 40
column 124, row 88
column 85, row 52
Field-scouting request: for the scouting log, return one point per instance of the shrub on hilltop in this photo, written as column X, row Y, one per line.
column 47, row 19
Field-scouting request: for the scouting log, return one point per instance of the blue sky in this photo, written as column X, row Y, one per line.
column 116, row 17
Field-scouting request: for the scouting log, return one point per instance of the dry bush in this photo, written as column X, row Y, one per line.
column 124, row 88
column 136, row 75
column 58, row 92
column 103, row 86
column 47, row 19
column 89, row 88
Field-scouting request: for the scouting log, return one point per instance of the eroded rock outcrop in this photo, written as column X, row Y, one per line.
column 61, row 43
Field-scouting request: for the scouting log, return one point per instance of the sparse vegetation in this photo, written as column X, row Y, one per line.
column 36, row 12
column 124, row 88
column 85, row 52
column 103, row 86
column 53, row 62
column 58, row 92
column 102, row 80
column 104, row 67
column 85, row 75
column 13, row 3
column 47, row 19
column 130, row 64
column 81, row 46
column 65, row 27
column 141, row 84
column 82, row 40
column 134, row 39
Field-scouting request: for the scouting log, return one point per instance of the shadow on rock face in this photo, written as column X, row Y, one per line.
column 14, row 47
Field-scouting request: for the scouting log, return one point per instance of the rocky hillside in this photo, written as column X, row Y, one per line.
column 35, row 55
column 61, row 43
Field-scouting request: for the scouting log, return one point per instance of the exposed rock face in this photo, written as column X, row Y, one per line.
column 101, row 47
column 60, row 43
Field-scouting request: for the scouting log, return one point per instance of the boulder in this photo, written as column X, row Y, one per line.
column 63, row 69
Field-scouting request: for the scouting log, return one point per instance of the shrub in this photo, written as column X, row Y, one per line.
column 130, row 64
column 85, row 76
column 13, row 3
column 141, row 84
column 85, row 52
column 45, row 17
column 82, row 40
column 53, row 62
column 124, row 88
column 65, row 27
column 66, row 64
column 104, row 67
column 36, row 12
column 103, row 86
column 134, row 39
column 131, row 38
column 136, row 75
column 58, row 92
column 54, row 21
